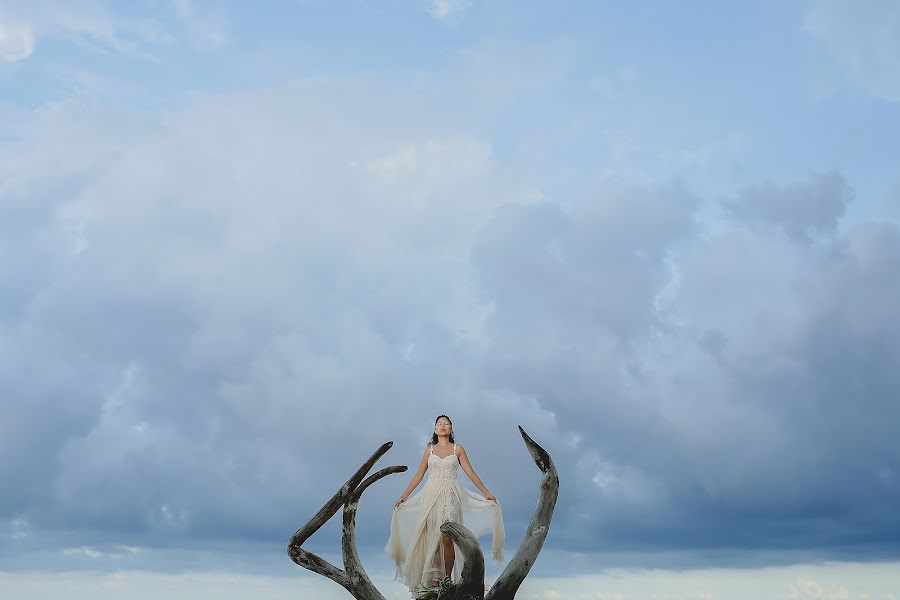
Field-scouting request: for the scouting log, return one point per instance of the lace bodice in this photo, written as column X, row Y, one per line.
column 443, row 468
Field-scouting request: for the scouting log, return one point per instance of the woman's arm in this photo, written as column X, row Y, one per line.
column 417, row 478
column 467, row 467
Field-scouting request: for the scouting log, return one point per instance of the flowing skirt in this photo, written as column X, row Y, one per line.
column 415, row 541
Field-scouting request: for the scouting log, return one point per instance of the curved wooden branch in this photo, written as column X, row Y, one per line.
column 471, row 586
column 353, row 580
column 515, row 572
column 471, row 583
column 359, row 580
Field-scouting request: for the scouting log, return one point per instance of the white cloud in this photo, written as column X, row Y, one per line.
column 860, row 581
column 808, row 588
column 624, row 485
column 115, row 553
column 89, row 24
column 448, row 9
column 16, row 42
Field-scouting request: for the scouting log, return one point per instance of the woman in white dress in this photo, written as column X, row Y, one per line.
column 423, row 555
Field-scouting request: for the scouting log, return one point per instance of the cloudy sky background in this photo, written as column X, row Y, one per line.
column 240, row 249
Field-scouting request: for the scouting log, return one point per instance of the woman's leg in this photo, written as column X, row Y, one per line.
column 449, row 555
column 453, row 513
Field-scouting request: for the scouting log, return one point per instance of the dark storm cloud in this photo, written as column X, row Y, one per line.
column 748, row 400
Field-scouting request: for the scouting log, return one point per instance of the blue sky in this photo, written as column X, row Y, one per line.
column 240, row 249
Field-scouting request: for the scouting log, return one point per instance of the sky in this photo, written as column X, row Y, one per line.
column 241, row 246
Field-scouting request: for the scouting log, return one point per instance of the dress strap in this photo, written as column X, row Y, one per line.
column 431, row 448
column 454, row 448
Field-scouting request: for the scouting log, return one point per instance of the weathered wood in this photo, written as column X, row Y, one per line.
column 471, row 585
column 471, row 581
column 515, row 572
column 359, row 581
column 354, row 579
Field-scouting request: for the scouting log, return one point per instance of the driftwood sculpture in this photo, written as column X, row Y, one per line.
column 353, row 577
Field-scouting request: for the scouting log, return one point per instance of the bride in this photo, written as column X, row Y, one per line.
column 423, row 555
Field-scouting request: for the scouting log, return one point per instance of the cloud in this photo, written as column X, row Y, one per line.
column 205, row 29
column 100, row 26
column 141, row 416
column 708, row 584
column 802, row 210
column 213, row 313
column 243, row 274
column 699, row 406
column 862, row 39
column 94, row 553
column 16, row 42
column 807, row 588
column 431, row 161
column 446, row 10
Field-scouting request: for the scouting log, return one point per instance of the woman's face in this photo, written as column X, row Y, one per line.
column 443, row 427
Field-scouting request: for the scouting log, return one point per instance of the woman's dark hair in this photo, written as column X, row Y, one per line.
column 434, row 438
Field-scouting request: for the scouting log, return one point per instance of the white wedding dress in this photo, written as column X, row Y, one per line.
column 415, row 541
